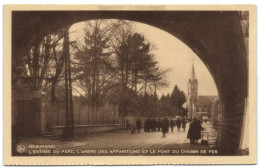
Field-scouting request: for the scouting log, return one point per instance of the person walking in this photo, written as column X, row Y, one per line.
column 138, row 125
column 149, row 124
column 153, row 124
column 145, row 125
column 165, row 126
column 171, row 125
column 159, row 124
column 178, row 123
column 183, row 124
column 194, row 133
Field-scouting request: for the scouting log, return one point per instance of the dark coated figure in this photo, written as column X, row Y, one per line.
column 153, row 124
column 183, row 125
column 149, row 123
column 159, row 124
column 168, row 124
column 165, row 126
column 194, row 133
column 178, row 123
column 145, row 125
column 138, row 125
column 171, row 125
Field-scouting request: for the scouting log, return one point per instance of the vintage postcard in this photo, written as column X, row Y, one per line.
column 129, row 84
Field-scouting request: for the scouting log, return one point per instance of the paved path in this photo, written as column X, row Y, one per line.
column 124, row 140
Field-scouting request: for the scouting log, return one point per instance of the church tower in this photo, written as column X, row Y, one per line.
column 192, row 93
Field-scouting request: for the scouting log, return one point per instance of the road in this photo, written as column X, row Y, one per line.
column 124, row 140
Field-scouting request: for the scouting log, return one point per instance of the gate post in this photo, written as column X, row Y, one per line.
column 40, row 114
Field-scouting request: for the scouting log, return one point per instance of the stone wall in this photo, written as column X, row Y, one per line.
column 232, row 118
column 214, row 113
column 230, row 123
column 83, row 129
column 27, row 113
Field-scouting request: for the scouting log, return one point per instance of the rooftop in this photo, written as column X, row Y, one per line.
column 204, row 100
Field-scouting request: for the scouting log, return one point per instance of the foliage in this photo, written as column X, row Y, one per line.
column 111, row 63
column 114, row 62
column 172, row 104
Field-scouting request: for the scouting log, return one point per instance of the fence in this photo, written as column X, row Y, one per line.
column 83, row 114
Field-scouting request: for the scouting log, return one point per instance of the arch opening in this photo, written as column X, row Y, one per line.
column 206, row 52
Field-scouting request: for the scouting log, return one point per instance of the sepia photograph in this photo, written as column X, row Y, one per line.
column 130, row 82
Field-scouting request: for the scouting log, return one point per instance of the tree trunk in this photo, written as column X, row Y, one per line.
column 70, row 88
column 53, row 87
column 88, row 115
column 35, row 63
column 136, row 73
column 46, row 60
column 145, row 87
column 58, row 111
column 79, row 112
column 65, row 54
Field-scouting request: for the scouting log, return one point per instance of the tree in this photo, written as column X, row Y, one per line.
column 112, row 57
column 36, row 62
column 56, row 63
column 171, row 104
column 94, row 70
column 136, row 66
column 178, row 98
column 42, row 64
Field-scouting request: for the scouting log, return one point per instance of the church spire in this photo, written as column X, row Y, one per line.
column 193, row 72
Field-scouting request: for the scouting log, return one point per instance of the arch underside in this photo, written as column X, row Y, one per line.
column 216, row 37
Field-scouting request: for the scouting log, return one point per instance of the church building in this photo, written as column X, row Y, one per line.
column 198, row 106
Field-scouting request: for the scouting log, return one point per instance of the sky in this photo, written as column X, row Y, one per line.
column 173, row 54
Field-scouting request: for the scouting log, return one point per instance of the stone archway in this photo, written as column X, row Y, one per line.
column 216, row 37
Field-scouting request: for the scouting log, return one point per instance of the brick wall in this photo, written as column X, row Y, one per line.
column 230, row 124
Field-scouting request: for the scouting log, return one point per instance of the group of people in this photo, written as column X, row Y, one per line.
column 151, row 124
column 179, row 123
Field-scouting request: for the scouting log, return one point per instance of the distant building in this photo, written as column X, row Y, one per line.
column 198, row 106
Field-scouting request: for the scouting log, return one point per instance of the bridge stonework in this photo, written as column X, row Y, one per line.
column 230, row 122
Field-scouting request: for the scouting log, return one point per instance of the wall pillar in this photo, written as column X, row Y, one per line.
column 40, row 114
